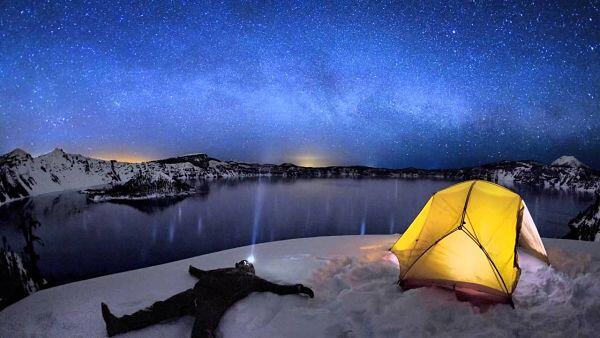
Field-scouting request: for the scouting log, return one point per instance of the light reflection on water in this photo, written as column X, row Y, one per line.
column 83, row 239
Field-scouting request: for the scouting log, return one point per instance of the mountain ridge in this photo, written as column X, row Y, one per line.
column 22, row 175
column 569, row 161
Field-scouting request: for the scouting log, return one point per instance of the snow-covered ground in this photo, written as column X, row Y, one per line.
column 355, row 296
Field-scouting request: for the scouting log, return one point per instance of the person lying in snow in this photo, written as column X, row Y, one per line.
column 215, row 291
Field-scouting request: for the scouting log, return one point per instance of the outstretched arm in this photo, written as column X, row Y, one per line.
column 196, row 272
column 283, row 289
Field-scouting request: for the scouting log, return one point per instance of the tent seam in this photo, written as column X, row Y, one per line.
column 487, row 256
column 446, row 235
column 427, row 250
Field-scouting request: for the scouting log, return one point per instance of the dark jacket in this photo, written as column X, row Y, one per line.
column 208, row 300
column 232, row 284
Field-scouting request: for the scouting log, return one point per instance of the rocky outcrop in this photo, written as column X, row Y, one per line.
column 142, row 186
column 586, row 225
column 19, row 272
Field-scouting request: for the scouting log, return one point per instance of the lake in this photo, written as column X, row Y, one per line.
column 70, row 238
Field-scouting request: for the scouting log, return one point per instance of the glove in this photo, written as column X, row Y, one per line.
column 304, row 290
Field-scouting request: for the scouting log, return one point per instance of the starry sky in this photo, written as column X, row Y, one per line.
column 389, row 84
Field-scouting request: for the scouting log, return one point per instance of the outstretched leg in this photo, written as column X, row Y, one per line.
column 208, row 311
column 175, row 306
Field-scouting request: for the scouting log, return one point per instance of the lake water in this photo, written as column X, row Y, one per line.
column 73, row 239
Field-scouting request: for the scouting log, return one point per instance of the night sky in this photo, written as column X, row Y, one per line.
column 380, row 84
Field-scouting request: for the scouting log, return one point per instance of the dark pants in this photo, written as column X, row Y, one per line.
column 208, row 310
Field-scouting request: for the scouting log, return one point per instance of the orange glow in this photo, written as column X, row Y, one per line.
column 375, row 246
column 310, row 161
column 123, row 157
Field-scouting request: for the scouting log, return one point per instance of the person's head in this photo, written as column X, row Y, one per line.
column 245, row 266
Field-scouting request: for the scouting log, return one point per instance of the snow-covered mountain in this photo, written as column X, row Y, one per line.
column 22, row 175
column 568, row 161
column 581, row 178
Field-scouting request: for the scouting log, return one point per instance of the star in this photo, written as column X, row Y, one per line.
column 384, row 84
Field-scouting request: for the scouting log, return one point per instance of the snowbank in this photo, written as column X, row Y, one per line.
column 353, row 278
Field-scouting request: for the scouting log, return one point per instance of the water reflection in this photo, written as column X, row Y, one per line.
column 199, row 226
column 63, row 237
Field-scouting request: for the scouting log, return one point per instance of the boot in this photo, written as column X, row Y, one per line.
column 113, row 325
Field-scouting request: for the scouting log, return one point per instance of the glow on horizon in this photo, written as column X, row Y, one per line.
column 311, row 161
column 123, row 157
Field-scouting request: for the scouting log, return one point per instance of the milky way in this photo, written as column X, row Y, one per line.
column 381, row 84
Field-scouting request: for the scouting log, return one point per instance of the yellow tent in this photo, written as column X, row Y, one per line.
column 465, row 238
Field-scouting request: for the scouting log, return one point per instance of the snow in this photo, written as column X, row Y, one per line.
column 569, row 161
column 216, row 164
column 355, row 296
column 505, row 178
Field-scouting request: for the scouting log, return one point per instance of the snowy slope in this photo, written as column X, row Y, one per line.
column 353, row 279
column 568, row 161
column 586, row 225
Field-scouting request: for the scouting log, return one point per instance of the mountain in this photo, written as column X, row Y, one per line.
column 22, row 175
column 568, row 161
